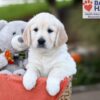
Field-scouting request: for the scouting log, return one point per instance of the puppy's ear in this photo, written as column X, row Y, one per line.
column 61, row 36
column 27, row 36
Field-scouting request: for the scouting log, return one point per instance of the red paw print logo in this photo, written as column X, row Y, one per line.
column 87, row 5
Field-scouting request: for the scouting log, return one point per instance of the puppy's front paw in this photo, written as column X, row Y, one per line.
column 53, row 86
column 29, row 82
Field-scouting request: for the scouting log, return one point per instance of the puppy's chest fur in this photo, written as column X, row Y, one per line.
column 47, row 65
column 45, row 62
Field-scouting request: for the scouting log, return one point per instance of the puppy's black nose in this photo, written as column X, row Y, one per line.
column 41, row 41
column 20, row 40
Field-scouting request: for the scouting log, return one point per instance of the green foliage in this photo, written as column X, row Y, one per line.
column 64, row 3
column 87, row 30
column 88, row 72
column 22, row 11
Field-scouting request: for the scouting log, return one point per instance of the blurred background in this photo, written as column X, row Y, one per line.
column 84, row 38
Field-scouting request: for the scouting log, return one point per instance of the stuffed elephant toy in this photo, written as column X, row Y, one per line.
column 13, row 56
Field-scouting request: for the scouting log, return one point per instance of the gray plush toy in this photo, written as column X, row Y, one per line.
column 11, row 43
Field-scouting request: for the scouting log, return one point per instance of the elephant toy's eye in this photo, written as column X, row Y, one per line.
column 22, row 31
column 14, row 33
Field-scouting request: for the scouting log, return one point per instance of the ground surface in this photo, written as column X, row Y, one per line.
column 90, row 95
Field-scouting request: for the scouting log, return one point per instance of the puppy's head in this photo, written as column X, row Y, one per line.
column 45, row 31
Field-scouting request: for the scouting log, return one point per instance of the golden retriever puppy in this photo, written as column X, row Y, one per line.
column 48, row 56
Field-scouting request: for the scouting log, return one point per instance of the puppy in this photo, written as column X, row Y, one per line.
column 48, row 56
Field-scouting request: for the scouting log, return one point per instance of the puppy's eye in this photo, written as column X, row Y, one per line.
column 35, row 29
column 50, row 30
column 14, row 33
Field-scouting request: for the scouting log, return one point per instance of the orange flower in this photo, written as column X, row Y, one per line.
column 76, row 57
column 9, row 57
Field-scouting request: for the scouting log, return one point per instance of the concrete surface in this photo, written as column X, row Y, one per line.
column 90, row 95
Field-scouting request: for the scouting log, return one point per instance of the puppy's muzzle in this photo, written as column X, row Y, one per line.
column 41, row 42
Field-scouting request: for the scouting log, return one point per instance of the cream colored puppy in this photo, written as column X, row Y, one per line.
column 46, row 37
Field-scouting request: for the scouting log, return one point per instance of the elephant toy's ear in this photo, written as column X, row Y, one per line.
column 3, row 23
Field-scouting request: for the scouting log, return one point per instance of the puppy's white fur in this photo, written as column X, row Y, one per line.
column 53, row 61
